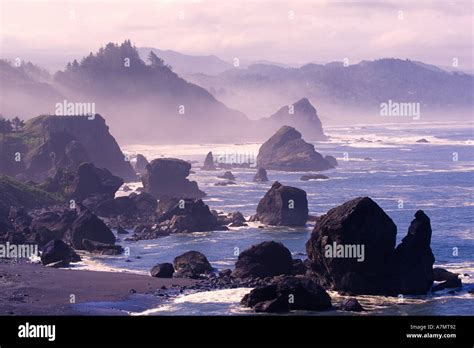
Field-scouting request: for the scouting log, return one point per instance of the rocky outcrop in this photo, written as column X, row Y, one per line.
column 140, row 164
column 52, row 142
column 414, row 257
column 191, row 264
column 263, row 260
column 234, row 219
column 283, row 206
column 52, row 225
column 261, row 175
column 300, row 115
column 168, row 177
column 90, row 181
column 88, row 226
column 352, row 305
column 227, row 175
column 59, row 253
column 351, row 248
column 209, row 162
column 93, row 246
column 287, row 151
column 287, row 293
column 162, row 270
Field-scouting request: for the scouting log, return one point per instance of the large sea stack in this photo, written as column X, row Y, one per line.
column 167, row 177
column 287, row 151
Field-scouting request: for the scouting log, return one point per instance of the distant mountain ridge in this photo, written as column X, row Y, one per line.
column 362, row 85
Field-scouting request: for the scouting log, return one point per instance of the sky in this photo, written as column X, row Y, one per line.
column 292, row 32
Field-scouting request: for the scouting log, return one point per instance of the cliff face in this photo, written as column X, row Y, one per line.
column 51, row 142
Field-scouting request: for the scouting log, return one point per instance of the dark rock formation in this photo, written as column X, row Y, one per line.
column 331, row 160
column 114, row 207
column 209, row 162
column 355, row 224
column 234, row 219
column 266, row 259
column 287, row 151
column 168, row 177
column 414, row 257
column 101, row 248
column 422, row 140
column 452, row 283
column 190, row 215
column 191, row 264
column 66, row 142
column 90, row 181
column 352, row 305
column 56, row 251
column 88, row 226
column 140, row 164
column 144, row 203
column 287, row 293
column 52, row 225
column 227, row 175
column 162, row 270
column 313, row 177
column 283, row 206
column 261, row 175
column 301, row 115
column 441, row 274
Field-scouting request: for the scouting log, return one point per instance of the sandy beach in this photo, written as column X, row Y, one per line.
column 33, row 289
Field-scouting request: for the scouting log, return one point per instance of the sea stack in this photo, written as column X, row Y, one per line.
column 301, row 115
column 167, row 177
column 283, row 206
column 209, row 162
column 287, row 151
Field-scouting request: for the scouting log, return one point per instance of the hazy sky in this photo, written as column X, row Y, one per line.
column 435, row 31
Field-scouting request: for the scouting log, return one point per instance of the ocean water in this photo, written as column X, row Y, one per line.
column 382, row 162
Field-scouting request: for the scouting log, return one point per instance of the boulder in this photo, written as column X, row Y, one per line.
column 261, row 175
column 266, row 259
column 114, row 207
column 145, row 203
column 441, row 274
column 352, row 305
column 189, row 215
column 351, row 248
column 227, row 175
column 414, row 257
column 168, row 177
column 287, row 151
column 93, row 246
column 234, row 219
column 451, row 283
column 88, row 226
column 422, row 140
column 140, row 164
column 52, row 225
column 283, row 206
column 162, row 270
column 331, row 160
column 90, row 180
column 286, row 293
column 191, row 264
column 56, row 251
column 209, row 162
